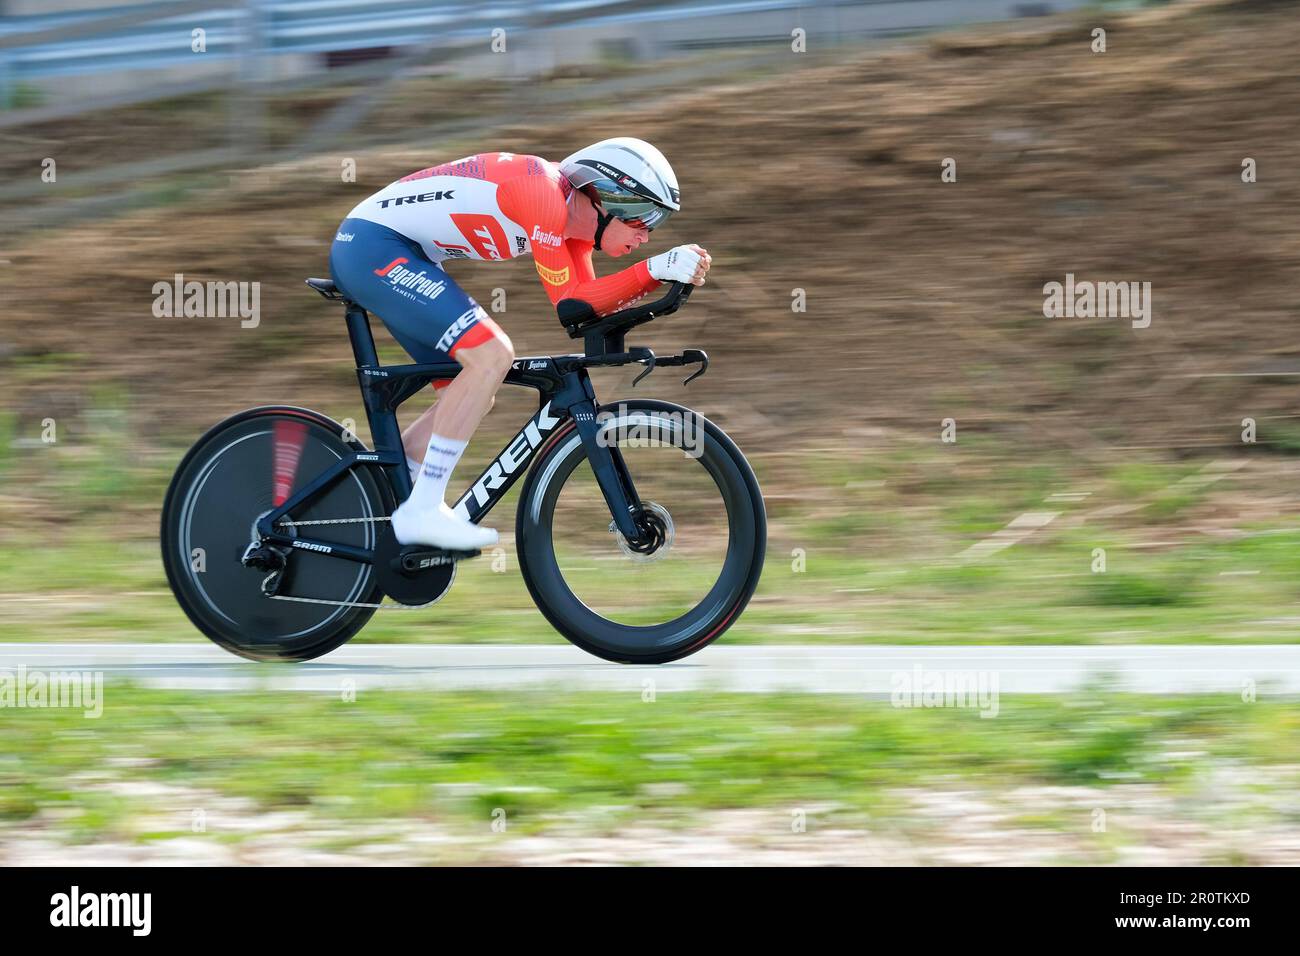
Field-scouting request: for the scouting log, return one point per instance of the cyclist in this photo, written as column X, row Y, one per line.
column 388, row 254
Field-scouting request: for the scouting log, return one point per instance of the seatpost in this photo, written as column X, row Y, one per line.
column 384, row 430
column 363, row 342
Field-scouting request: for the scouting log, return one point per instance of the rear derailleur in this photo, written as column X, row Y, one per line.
column 270, row 558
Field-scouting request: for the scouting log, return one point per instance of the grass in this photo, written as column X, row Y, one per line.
column 23, row 96
column 543, row 756
column 863, row 548
column 95, row 587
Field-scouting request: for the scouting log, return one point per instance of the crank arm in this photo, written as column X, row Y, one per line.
column 421, row 558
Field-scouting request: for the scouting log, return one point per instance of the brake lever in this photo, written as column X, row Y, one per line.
column 649, row 367
column 695, row 355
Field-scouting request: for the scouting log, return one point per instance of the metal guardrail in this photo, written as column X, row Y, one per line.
column 249, row 34
column 158, row 35
column 164, row 39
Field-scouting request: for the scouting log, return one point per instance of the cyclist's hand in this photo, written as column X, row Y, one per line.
column 681, row 264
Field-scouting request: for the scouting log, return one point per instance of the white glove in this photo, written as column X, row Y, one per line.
column 676, row 265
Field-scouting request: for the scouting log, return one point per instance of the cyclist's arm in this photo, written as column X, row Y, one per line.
column 607, row 294
column 537, row 204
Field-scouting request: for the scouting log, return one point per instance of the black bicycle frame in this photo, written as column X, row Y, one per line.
column 565, row 395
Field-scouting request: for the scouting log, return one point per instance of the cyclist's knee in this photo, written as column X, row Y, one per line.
column 497, row 355
column 491, row 352
column 507, row 346
column 503, row 350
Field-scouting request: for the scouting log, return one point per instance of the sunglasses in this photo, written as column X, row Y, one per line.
column 632, row 209
column 639, row 215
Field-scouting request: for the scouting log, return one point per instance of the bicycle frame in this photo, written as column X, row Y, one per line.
column 565, row 396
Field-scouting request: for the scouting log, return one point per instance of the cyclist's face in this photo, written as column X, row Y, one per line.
column 620, row 238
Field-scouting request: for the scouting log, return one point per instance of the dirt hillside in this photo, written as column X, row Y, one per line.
column 924, row 298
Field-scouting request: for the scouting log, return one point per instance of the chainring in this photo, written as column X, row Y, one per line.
column 414, row 588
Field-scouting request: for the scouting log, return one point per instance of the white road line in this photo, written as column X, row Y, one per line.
column 873, row 670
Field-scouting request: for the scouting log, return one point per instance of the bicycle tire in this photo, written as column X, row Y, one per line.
column 631, row 643
column 229, row 608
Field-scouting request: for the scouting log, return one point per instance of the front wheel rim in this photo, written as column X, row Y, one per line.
column 597, row 632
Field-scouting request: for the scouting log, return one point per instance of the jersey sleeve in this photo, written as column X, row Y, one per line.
column 537, row 203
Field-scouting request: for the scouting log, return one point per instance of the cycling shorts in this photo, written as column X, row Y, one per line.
column 421, row 305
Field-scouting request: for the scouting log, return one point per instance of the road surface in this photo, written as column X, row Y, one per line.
column 826, row 669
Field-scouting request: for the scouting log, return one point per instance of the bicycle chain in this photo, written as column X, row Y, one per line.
column 379, row 607
column 294, row 524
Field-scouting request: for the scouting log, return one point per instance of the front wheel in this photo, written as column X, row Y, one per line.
column 686, row 580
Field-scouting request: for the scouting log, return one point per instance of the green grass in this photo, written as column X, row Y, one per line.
column 95, row 587
column 1137, row 590
column 542, row 755
column 862, row 548
column 23, row 96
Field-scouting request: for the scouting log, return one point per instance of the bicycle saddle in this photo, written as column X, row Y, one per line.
column 326, row 288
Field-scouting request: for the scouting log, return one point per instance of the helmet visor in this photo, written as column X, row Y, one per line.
column 637, row 211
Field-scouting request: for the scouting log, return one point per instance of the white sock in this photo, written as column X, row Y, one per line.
column 439, row 461
column 414, row 467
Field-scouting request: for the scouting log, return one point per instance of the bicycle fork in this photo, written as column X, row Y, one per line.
column 611, row 473
column 574, row 401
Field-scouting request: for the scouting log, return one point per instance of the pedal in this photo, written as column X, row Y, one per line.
column 416, row 558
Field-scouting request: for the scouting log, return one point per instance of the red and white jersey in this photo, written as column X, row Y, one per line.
column 496, row 206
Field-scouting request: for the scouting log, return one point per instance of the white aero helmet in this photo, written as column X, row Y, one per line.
column 629, row 178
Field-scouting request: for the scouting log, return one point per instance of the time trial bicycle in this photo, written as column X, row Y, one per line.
column 276, row 536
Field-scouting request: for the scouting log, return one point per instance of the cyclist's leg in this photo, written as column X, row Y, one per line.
column 462, row 405
column 432, row 318
column 425, row 516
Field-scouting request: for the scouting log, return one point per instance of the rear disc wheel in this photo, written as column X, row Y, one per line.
column 240, row 470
